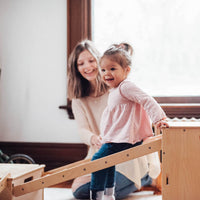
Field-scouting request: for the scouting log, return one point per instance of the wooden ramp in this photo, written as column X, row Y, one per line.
column 83, row 167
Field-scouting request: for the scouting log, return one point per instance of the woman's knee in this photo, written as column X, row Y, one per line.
column 124, row 186
column 83, row 192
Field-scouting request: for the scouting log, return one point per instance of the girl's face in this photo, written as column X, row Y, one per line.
column 87, row 65
column 112, row 73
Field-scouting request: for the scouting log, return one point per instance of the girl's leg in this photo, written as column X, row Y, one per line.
column 123, row 187
column 110, row 190
column 83, row 191
column 98, row 179
column 96, row 195
column 109, row 193
column 110, row 179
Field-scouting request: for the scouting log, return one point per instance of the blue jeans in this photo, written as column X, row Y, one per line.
column 105, row 178
column 123, row 187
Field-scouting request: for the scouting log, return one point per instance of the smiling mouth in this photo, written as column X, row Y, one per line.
column 109, row 79
column 89, row 72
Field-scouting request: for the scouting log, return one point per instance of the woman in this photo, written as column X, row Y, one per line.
column 89, row 98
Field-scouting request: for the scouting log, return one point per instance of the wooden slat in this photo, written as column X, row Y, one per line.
column 87, row 167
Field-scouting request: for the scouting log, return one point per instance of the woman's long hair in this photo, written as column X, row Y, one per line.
column 77, row 85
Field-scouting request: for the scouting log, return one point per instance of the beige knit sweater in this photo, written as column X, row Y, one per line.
column 87, row 112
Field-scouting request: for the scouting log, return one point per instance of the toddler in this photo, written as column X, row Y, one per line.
column 125, row 121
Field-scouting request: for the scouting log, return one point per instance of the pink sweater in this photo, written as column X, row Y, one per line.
column 88, row 112
column 126, row 117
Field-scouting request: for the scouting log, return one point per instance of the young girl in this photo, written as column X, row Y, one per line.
column 125, row 121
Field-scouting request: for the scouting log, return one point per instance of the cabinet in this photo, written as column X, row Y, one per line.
column 181, row 161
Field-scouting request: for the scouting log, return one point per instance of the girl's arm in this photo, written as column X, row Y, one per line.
column 86, row 135
column 130, row 91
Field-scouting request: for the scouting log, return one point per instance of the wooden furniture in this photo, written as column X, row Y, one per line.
column 12, row 175
column 181, row 161
column 180, row 144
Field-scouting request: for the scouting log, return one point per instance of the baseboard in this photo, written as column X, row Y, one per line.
column 53, row 155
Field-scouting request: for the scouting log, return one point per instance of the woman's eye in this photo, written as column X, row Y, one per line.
column 79, row 64
column 112, row 69
column 103, row 70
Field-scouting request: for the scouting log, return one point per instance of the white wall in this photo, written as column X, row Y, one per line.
column 33, row 79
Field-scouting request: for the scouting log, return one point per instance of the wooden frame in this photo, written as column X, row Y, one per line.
column 79, row 27
column 78, row 22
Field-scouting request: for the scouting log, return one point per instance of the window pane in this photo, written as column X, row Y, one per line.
column 165, row 38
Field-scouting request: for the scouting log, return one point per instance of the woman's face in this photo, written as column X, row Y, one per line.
column 87, row 65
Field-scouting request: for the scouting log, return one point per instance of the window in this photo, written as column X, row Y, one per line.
column 165, row 38
column 164, row 34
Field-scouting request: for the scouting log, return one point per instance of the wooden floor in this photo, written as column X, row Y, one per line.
column 66, row 194
column 63, row 191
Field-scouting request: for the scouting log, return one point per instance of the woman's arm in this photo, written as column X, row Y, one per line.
column 82, row 122
column 86, row 135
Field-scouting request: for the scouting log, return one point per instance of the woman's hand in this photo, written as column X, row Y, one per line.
column 162, row 123
column 96, row 141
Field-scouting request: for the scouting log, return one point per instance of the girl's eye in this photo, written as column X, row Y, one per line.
column 92, row 60
column 112, row 69
column 103, row 70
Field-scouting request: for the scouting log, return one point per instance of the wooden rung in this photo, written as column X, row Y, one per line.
column 81, row 168
column 3, row 182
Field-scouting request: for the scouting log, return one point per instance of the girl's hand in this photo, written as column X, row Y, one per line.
column 162, row 123
column 96, row 141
